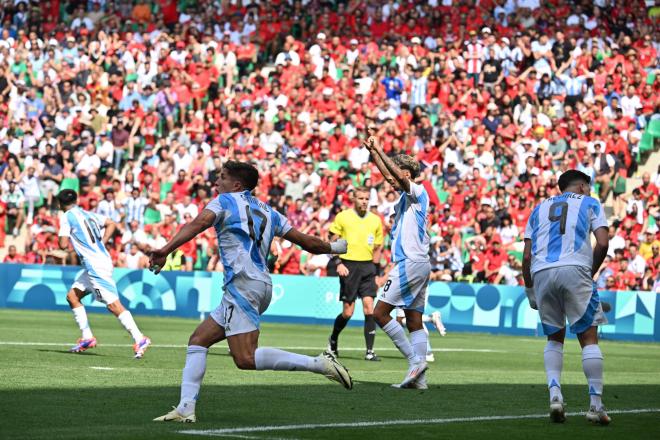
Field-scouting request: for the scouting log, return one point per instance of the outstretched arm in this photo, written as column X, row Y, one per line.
column 315, row 245
column 189, row 231
column 386, row 165
column 110, row 228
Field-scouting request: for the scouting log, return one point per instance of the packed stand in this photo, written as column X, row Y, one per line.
column 137, row 104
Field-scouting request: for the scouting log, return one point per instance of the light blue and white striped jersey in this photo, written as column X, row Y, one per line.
column 85, row 230
column 410, row 240
column 246, row 227
column 560, row 229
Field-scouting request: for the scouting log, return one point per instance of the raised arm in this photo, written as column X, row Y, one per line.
column 110, row 228
column 202, row 222
column 386, row 165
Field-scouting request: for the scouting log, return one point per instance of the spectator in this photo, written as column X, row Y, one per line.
column 14, row 201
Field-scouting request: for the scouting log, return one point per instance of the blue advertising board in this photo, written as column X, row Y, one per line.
column 308, row 299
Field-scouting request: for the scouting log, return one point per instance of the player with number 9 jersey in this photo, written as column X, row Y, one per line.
column 559, row 228
column 558, row 267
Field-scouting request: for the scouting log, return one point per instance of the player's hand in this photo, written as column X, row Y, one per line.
column 531, row 297
column 339, row 247
column 157, row 260
column 342, row 270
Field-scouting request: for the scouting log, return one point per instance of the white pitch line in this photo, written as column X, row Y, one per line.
column 250, row 429
column 102, row 368
column 59, row 344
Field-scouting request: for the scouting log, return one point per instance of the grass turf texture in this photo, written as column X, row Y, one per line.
column 47, row 393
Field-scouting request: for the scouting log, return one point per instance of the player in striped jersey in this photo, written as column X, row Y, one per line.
column 409, row 278
column 245, row 227
column 558, row 267
column 83, row 230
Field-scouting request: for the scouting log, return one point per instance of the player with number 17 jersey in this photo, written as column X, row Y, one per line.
column 245, row 227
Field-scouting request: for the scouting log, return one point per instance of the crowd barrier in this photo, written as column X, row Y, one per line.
column 308, row 299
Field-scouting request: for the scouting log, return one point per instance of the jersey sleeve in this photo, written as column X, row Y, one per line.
column 597, row 219
column 65, row 228
column 100, row 219
column 418, row 192
column 337, row 226
column 281, row 225
column 216, row 207
column 532, row 223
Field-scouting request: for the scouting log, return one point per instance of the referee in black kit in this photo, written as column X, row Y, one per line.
column 357, row 270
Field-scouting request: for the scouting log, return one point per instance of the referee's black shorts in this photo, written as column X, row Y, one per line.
column 360, row 282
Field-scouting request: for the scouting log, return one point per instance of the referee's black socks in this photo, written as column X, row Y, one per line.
column 369, row 331
column 340, row 323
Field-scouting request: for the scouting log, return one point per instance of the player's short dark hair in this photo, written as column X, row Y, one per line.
column 406, row 162
column 244, row 172
column 67, row 197
column 362, row 189
column 570, row 177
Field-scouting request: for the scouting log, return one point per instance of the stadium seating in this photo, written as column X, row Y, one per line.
column 518, row 91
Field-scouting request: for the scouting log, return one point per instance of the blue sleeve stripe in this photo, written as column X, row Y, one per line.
column 582, row 226
column 534, row 220
column 397, row 231
column 421, row 216
column 275, row 222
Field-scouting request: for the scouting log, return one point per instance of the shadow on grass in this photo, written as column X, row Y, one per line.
column 120, row 412
column 85, row 353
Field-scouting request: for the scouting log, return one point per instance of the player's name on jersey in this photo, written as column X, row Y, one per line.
column 251, row 199
column 568, row 196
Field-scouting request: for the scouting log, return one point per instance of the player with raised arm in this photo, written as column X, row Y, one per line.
column 409, row 278
column 558, row 267
column 83, row 230
column 245, row 227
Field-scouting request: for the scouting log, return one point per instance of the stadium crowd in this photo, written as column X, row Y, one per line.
column 136, row 104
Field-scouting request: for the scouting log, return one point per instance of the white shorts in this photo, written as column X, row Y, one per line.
column 100, row 284
column 242, row 304
column 406, row 285
column 567, row 293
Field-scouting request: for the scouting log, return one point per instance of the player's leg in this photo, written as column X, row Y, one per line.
column 125, row 317
column 585, row 313
column 106, row 292
column 80, row 288
column 367, row 291
column 205, row 335
column 348, row 308
column 245, row 302
column 550, row 303
column 75, row 295
column 393, row 329
column 419, row 342
column 401, row 290
column 369, row 328
column 401, row 318
column 592, row 365
column 436, row 319
column 348, row 293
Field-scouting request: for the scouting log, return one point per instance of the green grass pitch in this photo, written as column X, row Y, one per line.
column 47, row 393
